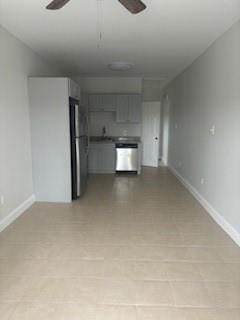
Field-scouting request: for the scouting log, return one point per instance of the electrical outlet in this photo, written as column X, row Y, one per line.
column 212, row 130
column 125, row 133
column 180, row 164
column 202, row 181
column 2, row 200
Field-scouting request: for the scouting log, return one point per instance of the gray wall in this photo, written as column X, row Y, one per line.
column 207, row 94
column 17, row 62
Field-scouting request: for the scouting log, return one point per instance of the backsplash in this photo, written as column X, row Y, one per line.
column 98, row 120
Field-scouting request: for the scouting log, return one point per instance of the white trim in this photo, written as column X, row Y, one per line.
column 225, row 225
column 4, row 223
column 164, row 161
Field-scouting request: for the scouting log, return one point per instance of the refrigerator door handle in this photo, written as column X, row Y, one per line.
column 76, row 120
column 87, row 145
column 78, row 167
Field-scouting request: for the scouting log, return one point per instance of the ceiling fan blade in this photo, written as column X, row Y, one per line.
column 134, row 6
column 57, row 4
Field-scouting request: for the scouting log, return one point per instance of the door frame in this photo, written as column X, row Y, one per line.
column 165, row 128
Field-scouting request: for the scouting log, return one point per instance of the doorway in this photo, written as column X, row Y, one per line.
column 151, row 133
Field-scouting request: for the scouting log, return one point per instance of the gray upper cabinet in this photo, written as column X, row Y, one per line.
column 102, row 102
column 134, row 104
column 122, row 112
column 109, row 102
column 95, row 102
column 73, row 89
column 128, row 108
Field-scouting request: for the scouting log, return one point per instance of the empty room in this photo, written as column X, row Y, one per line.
column 119, row 160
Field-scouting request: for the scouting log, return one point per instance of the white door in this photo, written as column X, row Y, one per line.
column 150, row 133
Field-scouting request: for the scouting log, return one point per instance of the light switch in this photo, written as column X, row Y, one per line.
column 2, row 200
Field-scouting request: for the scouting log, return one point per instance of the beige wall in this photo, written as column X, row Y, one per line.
column 208, row 94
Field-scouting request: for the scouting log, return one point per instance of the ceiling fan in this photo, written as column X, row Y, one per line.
column 134, row 6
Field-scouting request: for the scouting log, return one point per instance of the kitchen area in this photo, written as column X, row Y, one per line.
column 111, row 149
column 77, row 131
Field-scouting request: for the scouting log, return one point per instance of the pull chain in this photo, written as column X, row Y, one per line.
column 99, row 23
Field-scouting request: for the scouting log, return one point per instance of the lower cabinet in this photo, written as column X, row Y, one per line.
column 102, row 158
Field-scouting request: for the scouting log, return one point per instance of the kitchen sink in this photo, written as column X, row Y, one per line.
column 99, row 139
column 121, row 139
column 125, row 139
column 114, row 139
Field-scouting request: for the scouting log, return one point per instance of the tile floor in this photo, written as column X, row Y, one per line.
column 134, row 248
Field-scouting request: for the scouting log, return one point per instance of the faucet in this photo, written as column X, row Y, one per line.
column 104, row 132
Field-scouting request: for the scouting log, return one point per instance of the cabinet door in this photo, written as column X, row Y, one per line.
column 122, row 113
column 95, row 102
column 107, row 158
column 109, row 102
column 102, row 158
column 135, row 108
column 74, row 89
column 93, row 159
column 77, row 91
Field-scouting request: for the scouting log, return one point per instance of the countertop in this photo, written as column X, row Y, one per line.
column 113, row 140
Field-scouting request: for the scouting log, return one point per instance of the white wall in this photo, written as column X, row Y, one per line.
column 152, row 89
column 17, row 62
column 207, row 94
column 98, row 120
column 110, row 85
column 50, row 139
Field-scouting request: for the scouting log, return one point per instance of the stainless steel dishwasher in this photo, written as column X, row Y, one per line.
column 127, row 157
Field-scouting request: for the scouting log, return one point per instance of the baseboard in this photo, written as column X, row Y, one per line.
column 16, row 212
column 164, row 161
column 226, row 226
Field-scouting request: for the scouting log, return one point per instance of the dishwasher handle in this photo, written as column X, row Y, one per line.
column 126, row 146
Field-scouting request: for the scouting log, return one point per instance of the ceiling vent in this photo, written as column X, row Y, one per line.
column 120, row 66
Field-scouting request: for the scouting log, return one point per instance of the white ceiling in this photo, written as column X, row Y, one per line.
column 161, row 41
